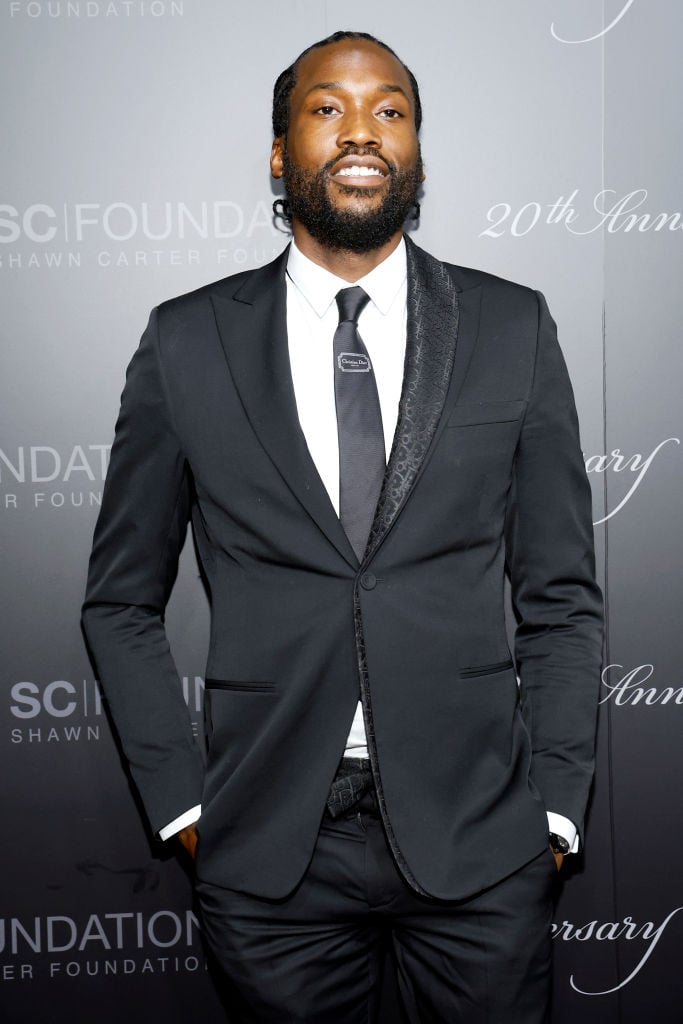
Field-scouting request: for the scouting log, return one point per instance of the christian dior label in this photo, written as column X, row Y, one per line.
column 353, row 362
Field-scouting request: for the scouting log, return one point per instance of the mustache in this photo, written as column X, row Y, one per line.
column 359, row 151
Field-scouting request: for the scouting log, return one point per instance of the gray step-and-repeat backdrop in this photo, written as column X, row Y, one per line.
column 135, row 143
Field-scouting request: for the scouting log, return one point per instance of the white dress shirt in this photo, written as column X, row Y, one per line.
column 312, row 318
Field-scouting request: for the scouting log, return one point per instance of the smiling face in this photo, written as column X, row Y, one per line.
column 351, row 159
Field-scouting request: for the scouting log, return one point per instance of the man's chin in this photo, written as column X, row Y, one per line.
column 352, row 200
column 351, row 218
column 355, row 234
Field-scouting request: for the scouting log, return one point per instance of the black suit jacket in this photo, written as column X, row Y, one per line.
column 486, row 470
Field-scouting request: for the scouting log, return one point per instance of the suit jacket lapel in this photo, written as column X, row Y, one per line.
column 441, row 332
column 252, row 323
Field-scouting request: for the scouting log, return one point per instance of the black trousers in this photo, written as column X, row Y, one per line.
column 316, row 957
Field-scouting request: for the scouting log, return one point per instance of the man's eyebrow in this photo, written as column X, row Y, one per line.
column 322, row 86
column 394, row 88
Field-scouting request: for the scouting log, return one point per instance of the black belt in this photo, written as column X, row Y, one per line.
column 352, row 781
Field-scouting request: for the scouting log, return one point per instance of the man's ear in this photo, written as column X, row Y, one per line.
column 276, row 156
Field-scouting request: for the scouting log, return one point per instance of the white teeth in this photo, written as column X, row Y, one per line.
column 358, row 172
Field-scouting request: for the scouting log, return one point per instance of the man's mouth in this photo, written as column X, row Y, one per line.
column 357, row 171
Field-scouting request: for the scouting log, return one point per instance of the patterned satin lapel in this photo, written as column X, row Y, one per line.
column 432, row 330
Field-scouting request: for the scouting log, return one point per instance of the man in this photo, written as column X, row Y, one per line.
column 374, row 770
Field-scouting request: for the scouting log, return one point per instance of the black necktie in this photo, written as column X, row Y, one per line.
column 362, row 459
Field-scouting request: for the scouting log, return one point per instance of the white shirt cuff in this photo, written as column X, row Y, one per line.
column 562, row 826
column 178, row 824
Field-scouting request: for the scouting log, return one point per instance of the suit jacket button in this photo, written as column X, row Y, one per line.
column 368, row 581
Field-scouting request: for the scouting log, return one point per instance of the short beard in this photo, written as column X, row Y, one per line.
column 350, row 230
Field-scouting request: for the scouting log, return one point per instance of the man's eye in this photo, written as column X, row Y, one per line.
column 391, row 113
column 325, row 110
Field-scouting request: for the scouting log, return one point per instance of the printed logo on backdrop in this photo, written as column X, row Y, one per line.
column 32, row 10
column 64, row 712
column 645, row 938
column 557, row 30
column 122, row 234
column 637, row 687
column 112, row 946
column 42, row 477
column 630, row 213
column 628, row 471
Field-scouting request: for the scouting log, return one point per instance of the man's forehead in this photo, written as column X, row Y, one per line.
column 324, row 66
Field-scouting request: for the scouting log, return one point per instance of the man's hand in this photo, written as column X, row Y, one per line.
column 559, row 857
column 188, row 837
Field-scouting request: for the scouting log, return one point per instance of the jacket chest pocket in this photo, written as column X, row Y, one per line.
column 484, row 430
column 473, row 414
column 477, row 453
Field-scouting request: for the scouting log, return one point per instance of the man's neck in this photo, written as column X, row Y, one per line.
column 350, row 266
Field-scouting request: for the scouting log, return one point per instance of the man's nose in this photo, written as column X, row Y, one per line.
column 359, row 128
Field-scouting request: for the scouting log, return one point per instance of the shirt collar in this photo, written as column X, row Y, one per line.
column 319, row 287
